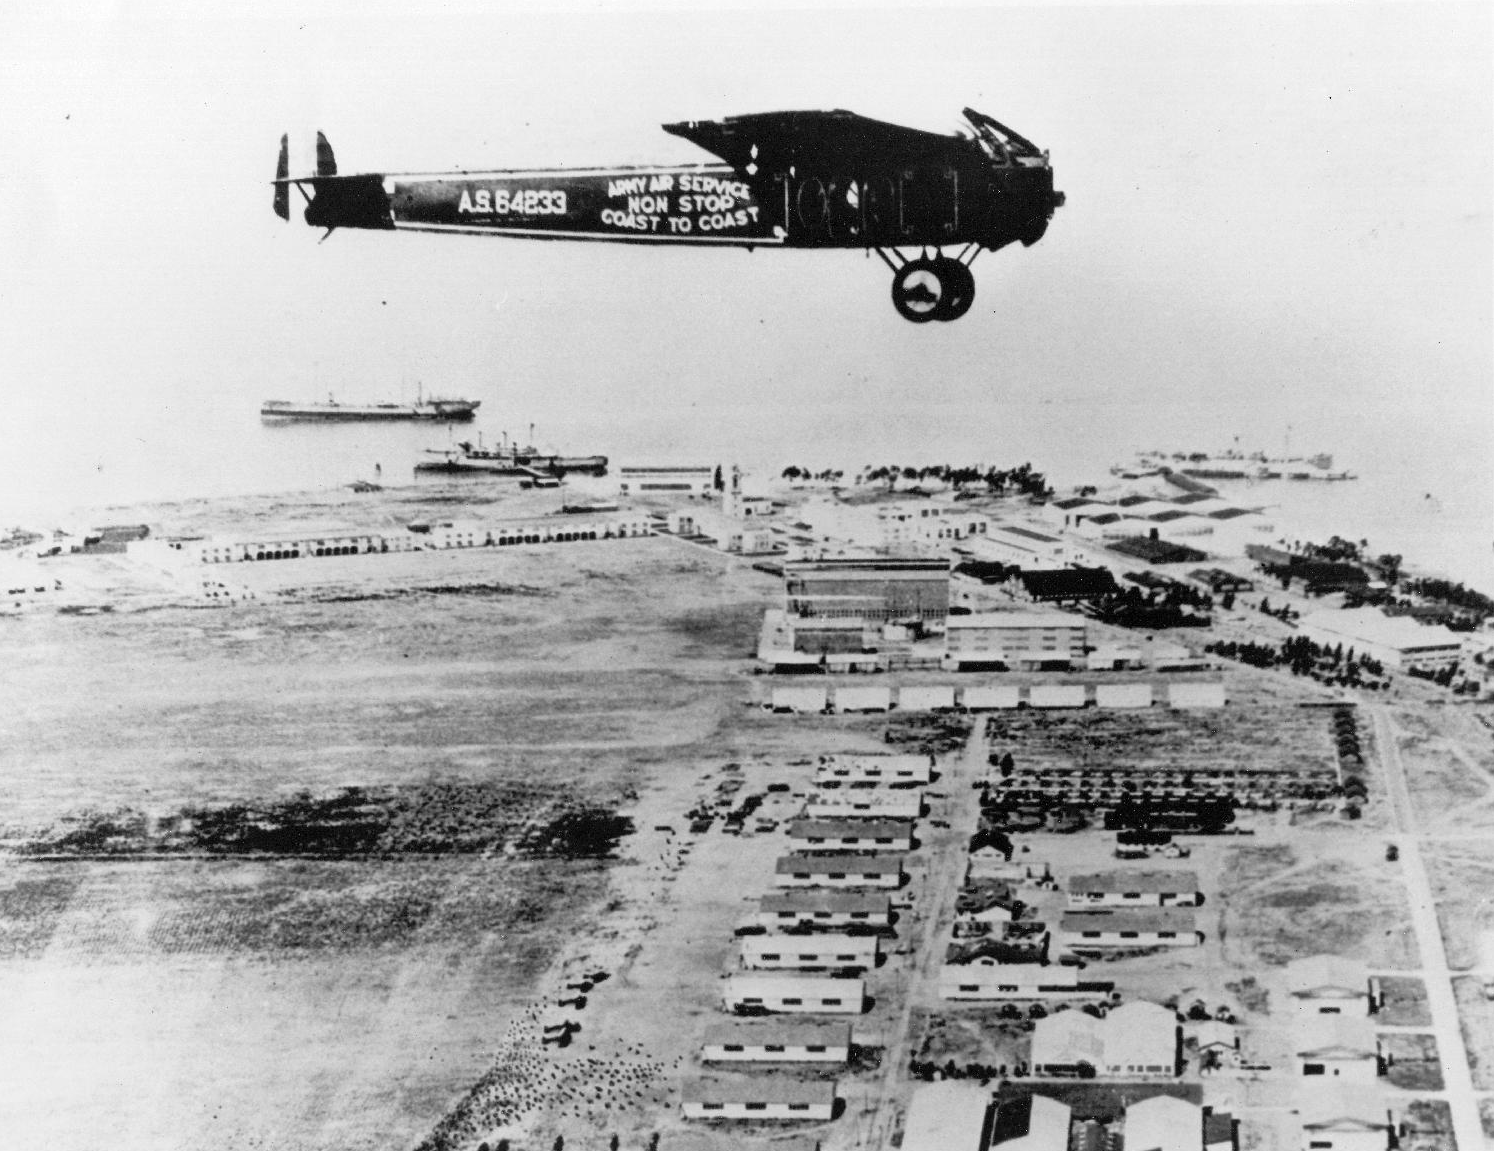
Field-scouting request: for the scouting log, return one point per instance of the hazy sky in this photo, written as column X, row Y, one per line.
column 1270, row 206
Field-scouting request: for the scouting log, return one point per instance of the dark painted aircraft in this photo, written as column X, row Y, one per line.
column 789, row 180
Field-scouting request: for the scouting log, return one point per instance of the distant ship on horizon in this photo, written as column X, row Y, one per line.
column 1232, row 464
column 421, row 409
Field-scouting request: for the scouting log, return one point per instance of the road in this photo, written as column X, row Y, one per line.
column 943, row 872
column 1458, row 1079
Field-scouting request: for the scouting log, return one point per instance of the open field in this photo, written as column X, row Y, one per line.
column 1476, row 1015
column 1414, row 1064
column 1449, row 770
column 1403, row 1002
column 1462, row 878
column 299, row 864
column 1324, row 892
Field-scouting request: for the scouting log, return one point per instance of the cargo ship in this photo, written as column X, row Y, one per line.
column 1232, row 465
column 509, row 459
column 421, row 409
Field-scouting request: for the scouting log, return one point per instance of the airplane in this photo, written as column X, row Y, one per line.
column 786, row 180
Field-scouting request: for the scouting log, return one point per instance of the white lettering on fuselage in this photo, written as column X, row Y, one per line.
column 679, row 204
column 513, row 202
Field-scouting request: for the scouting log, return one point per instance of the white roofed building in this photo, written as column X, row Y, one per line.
column 851, row 834
column 861, row 869
column 817, row 951
column 1337, row 1047
column 880, row 803
column 1141, row 1038
column 1396, row 641
column 775, row 1041
column 674, row 480
column 1345, row 1119
column 1329, row 985
column 1104, row 927
column 1014, row 639
column 793, row 994
column 985, row 978
column 1163, row 1123
column 1065, row 1043
column 758, row 1097
column 948, row 1116
column 879, row 769
column 1126, row 888
column 824, row 908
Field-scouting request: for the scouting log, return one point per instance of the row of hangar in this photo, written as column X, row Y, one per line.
column 819, row 698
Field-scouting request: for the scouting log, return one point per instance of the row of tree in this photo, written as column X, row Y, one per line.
column 1304, row 657
column 1022, row 480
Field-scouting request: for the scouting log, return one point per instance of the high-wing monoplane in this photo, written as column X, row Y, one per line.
column 787, row 180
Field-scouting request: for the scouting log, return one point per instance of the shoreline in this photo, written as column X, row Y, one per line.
column 342, row 507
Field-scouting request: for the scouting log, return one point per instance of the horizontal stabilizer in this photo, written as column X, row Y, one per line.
column 282, row 189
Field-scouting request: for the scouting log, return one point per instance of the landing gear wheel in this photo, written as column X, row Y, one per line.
column 959, row 290
column 919, row 289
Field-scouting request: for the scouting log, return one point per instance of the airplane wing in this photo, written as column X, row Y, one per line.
column 814, row 141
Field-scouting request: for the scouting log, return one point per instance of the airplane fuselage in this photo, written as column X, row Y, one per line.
column 703, row 204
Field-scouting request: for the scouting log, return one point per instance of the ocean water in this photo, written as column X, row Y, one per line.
column 1426, row 486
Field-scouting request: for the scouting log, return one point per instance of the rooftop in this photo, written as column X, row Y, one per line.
column 850, row 864
column 1069, row 583
column 850, row 829
column 943, row 1116
column 1345, row 1108
column 1147, row 882
column 841, row 901
column 758, row 1089
column 1129, row 919
column 1013, row 620
column 771, row 1032
column 1367, row 625
column 1025, row 533
column 1163, row 1123
column 1318, row 973
column 1348, row 1035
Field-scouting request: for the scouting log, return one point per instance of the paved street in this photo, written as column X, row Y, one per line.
column 1460, row 1094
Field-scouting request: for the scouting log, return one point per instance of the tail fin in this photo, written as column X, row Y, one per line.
column 282, row 189
column 326, row 163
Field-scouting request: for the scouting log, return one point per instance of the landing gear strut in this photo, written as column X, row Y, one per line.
column 934, row 287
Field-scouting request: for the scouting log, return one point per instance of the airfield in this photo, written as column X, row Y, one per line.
column 316, row 869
